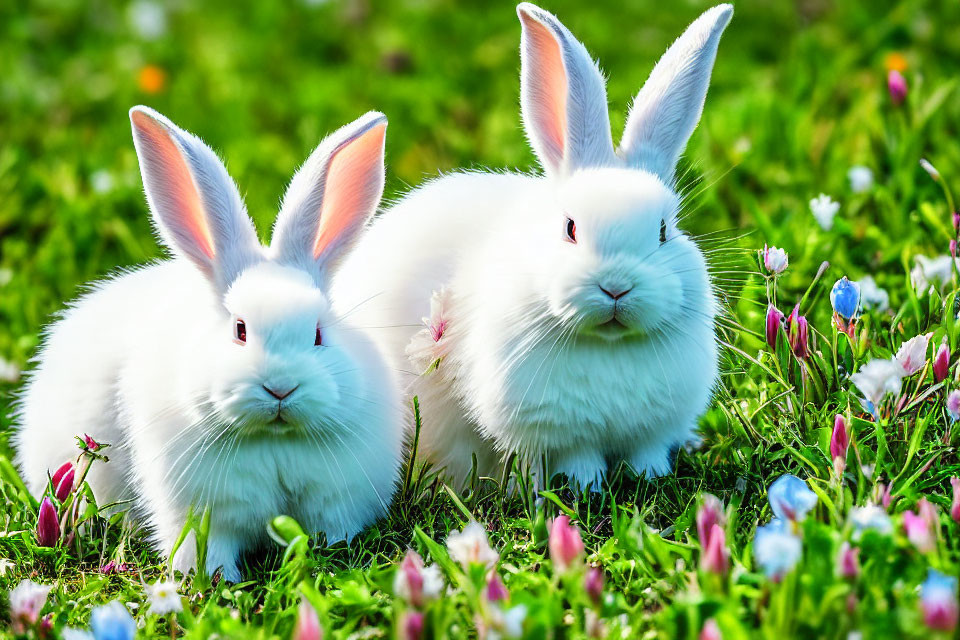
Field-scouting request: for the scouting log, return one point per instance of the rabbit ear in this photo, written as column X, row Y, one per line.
column 668, row 107
column 196, row 207
column 331, row 197
column 562, row 95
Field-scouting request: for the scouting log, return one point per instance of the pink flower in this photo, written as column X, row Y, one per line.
column 61, row 471
column 941, row 363
column 26, row 601
column 897, row 85
column 91, row 444
column 496, row 590
column 885, row 497
column 593, row 585
column 48, row 526
column 565, row 543
column 411, row 626
column 308, row 624
column 839, row 442
column 797, row 332
column 848, row 562
column 774, row 322
column 709, row 514
column 65, row 486
column 955, row 505
column 710, row 631
column 918, row 531
column 953, row 405
column 408, row 583
column 716, row 557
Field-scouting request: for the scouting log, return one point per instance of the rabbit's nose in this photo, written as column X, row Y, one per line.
column 281, row 393
column 615, row 292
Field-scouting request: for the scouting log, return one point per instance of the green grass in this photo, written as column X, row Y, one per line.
column 798, row 97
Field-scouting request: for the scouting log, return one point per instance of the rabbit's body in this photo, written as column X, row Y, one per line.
column 568, row 316
column 150, row 362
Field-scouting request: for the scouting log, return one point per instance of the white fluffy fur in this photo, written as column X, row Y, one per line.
column 148, row 363
column 528, row 362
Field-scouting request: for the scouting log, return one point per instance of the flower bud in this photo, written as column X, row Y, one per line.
column 565, row 543
column 496, row 590
column 716, row 558
column 931, row 170
column 918, row 531
column 839, row 442
column 709, row 514
column 848, row 562
column 774, row 260
column 408, row 581
column 897, row 85
column 65, row 486
column 938, row 601
column 48, row 525
column 955, row 505
column 953, row 405
column 941, row 363
column 774, row 322
column 797, row 333
column 710, row 631
column 593, row 585
column 845, row 298
column 91, row 444
column 308, row 624
column 411, row 626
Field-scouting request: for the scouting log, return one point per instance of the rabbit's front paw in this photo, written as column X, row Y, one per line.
column 584, row 468
column 224, row 553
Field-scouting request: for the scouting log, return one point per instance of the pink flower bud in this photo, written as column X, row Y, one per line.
column 955, row 505
column 496, row 590
column 593, row 585
column 839, row 442
column 938, row 601
column 797, row 333
column 710, row 631
column 918, row 531
column 92, row 444
column 308, row 624
column 411, row 626
column 774, row 322
column 709, row 514
column 408, row 583
column 956, row 220
column 565, row 543
column 885, row 496
column 59, row 473
column 848, row 562
column 941, row 363
column 716, row 558
column 897, row 85
column 65, row 486
column 953, row 248
column 48, row 526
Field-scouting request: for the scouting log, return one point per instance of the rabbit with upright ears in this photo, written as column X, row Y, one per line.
column 568, row 317
column 227, row 378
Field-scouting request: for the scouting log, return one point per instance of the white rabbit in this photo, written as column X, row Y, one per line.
column 225, row 377
column 571, row 318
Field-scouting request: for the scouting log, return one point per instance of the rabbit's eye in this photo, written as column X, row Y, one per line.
column 663, row 231
column 318, row 340
column 570, row 227
column 240, row 331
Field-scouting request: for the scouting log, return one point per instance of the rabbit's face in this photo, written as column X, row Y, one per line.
column 619, row 265
column 284, row 359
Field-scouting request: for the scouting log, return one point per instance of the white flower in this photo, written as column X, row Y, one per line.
column 506, row 623
column 870, row 517
column 861, row 178
column 790, row 498
column 148, row 19
column 432, row 582
column 824, row 208
column 776, row 549
column 775, row 260
column 164, row 598
column 9, row 372
column 430, row 343
column 953, row 405
column 912, row 354
column 928, row 272
column 872, row 296
column 101, row 181
column 877, row 378
column 470, row 546
column 26, row 601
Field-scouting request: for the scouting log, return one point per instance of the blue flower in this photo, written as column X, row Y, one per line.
column 112, row 621
column 845, row 298
column 791, row 498
column 776, row 549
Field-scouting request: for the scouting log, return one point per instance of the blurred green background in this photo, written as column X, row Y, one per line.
column 798, row 96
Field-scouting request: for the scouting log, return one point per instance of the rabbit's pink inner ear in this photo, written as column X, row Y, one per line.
column 184, row 208
column 547, row 85
column 352, row 187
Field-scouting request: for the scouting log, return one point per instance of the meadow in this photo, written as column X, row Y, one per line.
column 809, row 98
